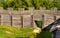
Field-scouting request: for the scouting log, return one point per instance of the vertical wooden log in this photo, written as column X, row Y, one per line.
column 54, row 18
column 11, row 20
column 31, row 20
column 21, row 21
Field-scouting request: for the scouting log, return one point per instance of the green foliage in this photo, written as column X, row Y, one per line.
column 48, row 4
column 38, row 23
column 20, row 3
column 57, row 4
column 28, row 3
column 36, row 4
column 5, row 6
column 15, row 4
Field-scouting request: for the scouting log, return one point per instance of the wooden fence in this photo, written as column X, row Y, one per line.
column 25, row 18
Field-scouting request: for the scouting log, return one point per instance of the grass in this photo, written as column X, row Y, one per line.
column 13, row 32
column 8, row 32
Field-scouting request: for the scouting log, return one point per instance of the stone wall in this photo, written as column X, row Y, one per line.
column 26, row 18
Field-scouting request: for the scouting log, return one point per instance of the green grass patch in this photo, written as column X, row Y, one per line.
column 13, row 32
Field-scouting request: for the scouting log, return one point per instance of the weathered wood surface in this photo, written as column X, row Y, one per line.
column 26, row 18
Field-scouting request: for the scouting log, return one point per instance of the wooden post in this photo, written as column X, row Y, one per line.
column 0, row 19
column 22, row 21
column 42, row 20
column 54, row 18
column 31, row 20
column 11, row 20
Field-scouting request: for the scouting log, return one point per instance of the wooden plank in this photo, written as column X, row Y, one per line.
column 16, row 21
column 5, row 20
column 26, row 20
